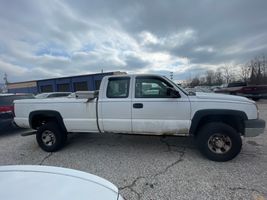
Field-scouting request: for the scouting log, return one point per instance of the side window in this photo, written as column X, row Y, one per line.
column 151, row 87
column 118, row 87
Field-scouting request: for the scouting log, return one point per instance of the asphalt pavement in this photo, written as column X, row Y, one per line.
column 151, row 167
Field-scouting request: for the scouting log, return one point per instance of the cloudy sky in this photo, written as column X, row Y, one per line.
column 53, row 38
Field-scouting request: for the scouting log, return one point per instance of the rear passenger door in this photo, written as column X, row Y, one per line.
column 154, row 111
column 116, row 106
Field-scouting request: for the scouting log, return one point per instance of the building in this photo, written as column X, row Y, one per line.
column 64, row 84
column 23, row 87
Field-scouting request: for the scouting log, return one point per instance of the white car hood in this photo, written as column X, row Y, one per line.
column 224, row 97
column 29, row 182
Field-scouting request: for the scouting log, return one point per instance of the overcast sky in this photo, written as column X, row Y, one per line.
column 45, row 39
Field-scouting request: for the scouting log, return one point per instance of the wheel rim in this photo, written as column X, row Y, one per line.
column 219, row 143
column 48, row 138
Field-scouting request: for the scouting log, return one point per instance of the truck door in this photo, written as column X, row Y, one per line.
column 116, row 106
column 154, row 111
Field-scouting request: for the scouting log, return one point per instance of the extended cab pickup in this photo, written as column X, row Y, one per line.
column 144, row 104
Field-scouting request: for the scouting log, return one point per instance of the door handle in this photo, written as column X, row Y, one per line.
column 137, row 105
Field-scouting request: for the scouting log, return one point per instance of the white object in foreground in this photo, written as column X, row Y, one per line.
column 26, row 182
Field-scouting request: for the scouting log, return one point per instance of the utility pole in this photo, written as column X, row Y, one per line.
column 6, row 82
column 171, row 75
column 5, row 78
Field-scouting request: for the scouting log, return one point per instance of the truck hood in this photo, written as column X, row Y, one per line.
column 224, row 97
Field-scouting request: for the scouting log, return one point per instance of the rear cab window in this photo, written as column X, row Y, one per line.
column 118, row 87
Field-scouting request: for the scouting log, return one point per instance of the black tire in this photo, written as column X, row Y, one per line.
column 219, row 141
column 50, row 137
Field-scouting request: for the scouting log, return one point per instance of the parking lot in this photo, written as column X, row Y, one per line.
column 150, row 167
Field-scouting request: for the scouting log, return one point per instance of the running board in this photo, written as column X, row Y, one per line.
column 28, row 133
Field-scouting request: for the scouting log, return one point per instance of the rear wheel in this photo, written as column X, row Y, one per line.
column 50, row 137
column 219, row 141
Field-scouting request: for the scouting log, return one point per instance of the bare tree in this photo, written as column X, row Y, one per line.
column 202, row 80
column 195, row 82
column 227, row 71
column 245, row 72
column 218, row 77
column 264, row 70
column 258, row 70
column 210, row 76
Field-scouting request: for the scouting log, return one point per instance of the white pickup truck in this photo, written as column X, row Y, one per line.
column 144, row 104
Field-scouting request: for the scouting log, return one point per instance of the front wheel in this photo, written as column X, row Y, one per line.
column 50, row 137
column 219, row 141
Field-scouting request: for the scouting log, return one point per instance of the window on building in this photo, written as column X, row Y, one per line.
column 97, row 84
column 46, row 88
column 63, row 87
column 118, row 87
column 80, row 86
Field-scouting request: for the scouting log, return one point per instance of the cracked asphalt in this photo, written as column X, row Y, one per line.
column 151, row 167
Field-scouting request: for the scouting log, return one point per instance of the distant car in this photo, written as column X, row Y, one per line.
column 52, row 95
column 7, row 107
column 198, row 89
column 30, row 182
column 255, row 92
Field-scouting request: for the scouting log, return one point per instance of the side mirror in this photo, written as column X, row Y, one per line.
column 171, row 92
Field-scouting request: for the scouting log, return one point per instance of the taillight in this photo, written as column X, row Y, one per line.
column 4, row 109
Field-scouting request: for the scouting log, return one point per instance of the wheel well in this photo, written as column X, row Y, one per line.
column 38, row 118
column 235, row 122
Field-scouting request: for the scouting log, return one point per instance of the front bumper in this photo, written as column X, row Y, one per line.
column 254, row 127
